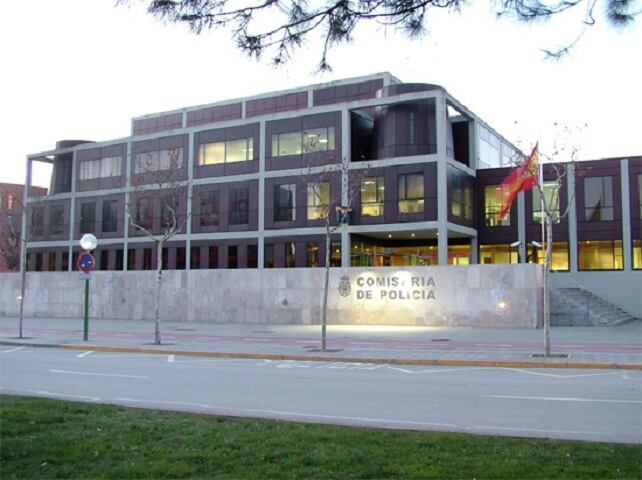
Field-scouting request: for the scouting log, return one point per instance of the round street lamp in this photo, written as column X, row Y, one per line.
column 86, row 263
column 88, row 242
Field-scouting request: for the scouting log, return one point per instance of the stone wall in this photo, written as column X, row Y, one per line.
column 475, row 295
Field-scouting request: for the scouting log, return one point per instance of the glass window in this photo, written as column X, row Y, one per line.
column 211, row 153
column 268, row 260
column 493, row 206
column 495, row 254
column 598, row 199
column 286, row 144
column 559, row 255
column 209, row 209
column 195, row 258
column 318, row 200
column 57, row 220
column 335, row 254
column 284, row 203
column 318, row 139
column 147, row 259
column 232, row 256
column 295, row 143
column 411, row 193
column 313, row 254
column 110, row 166
column 640, row 196
column 290, row 255
column 372, row 196
column 158, row 160
column 110, row 216
column 458, row 255
column 169, row 211
column 600, row 255
column 37, row 221
column 239, row 150
column 461, row 192
column 551, row 200
column 239, row 199
column 212, row 257
column 89, row 169
column 87, row 217
column 131, row 259
column 144, row 212
column 637, row 253
column 252, row 256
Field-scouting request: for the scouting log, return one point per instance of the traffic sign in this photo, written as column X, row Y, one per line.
column 86, row 262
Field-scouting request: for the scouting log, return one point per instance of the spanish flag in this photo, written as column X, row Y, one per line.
column 522, row 178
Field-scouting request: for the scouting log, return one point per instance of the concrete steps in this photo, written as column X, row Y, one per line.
column 582, row 308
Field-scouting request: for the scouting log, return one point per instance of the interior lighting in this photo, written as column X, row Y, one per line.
column 389, row 235
column 502, row 304
column 412, row 234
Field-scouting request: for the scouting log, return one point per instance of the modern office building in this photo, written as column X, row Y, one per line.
column 249, row 177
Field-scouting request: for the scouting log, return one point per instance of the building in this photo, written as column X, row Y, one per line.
column 420, row 172
column 11, row 198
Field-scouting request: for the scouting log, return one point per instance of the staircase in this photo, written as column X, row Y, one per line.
column 578, row 307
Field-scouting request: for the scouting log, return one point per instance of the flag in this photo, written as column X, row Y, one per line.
column 522, row 178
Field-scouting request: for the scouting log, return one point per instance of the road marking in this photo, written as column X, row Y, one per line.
column 254, row 339
column 171, row 358
column 564, row 399
column 13, row 349
column 555, row 375
column 82, row 355
column 546, row 430
column 366, row 343
column 70, row 372
column 66, row 395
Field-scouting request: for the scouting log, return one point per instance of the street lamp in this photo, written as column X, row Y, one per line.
column 516, row 246
column 86, row 264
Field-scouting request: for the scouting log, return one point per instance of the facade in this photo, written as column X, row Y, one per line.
column 249, row 177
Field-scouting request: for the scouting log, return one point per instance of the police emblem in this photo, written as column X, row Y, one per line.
column 344, row 286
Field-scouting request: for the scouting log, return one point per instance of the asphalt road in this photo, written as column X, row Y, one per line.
column 592, row 405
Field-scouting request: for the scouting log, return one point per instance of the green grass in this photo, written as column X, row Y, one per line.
column 43, row 438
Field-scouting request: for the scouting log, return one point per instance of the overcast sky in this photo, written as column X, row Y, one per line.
column 79, row 69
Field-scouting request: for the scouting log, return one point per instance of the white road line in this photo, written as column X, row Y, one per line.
column 84, row 354
column 564, row 399
column 366, row 343
column 13, row 350
column 555, row 375
column 541, row 430
column 171, row 358
column 257, row 339
column 66, row 395
column 70, row 372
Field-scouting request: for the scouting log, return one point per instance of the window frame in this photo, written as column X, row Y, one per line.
column 404, row 200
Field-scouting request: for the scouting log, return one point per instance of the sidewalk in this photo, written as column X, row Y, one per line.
column 577, row 347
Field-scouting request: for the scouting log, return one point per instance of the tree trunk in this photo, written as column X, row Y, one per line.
column 23, row 285
column 547, row 268
column 159, row 278
column 324, row 313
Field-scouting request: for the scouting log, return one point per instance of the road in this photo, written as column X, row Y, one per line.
column 594, row 405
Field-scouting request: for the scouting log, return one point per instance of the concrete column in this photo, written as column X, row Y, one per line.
column 626, row 215
column 345, row 183
column 23, row 221
column 442, row 180
column 474, row 256
column 72, row 209
column 572, row 219
column 261, row 203
column 190, row 200
column 128, row 164
column 521, row 226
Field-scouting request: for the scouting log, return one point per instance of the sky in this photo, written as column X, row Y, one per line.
column 79, row 69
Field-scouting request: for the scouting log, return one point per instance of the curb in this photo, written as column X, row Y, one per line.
column 346, row 359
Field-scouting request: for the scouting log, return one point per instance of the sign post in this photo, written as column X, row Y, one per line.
column 86, row 264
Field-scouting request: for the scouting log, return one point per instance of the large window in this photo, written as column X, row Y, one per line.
column 411, row 193
column 600, row 255
column 239, row 200
column 229, row 151
column 110, row 216
column 166, row 159
column 489, row 149
column 312, row 254
column 303, row 141
column 551, row 201
column 637, row 254
column 87, row 217
column 598, row 199
column 495, row 254
column 493, row 206
column 290, row 255
column 57, row 220
column 461, row 196
column 101, row 168
column 318, row 200
column 559, row 255
column 37, row 221
column 372, row 196
column 208, row 211
column 144, row 212
column 284, row 203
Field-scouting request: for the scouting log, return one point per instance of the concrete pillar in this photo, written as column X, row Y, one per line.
column 72, row 208
column 23, row 222
column 572, row 219
column 442, row 180
column 474, row 247
column 626, row 215
column 345, row 183
column 521, row 226
column 190, row 198
column 128, row 163
column 261, row 203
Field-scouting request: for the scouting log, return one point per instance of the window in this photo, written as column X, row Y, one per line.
column 559, row 255
column 216, row 153
column 489, row 147
column 640, row 196
column 51, row 262
column 180, row 258
column 104, row 260
column 493, row 206
column 37, row 221
column 232, row 256
column 290, row 255
column 318, row 200
column 209, row 209
column 110, row 216
column 101, row 168
column 551, row 200
column 268, row 260
column 169, row 211
column 239, row 206
column 87, row 217
column 119, row 259
column 313, row 254
column 145, row 212
column 131, row 259
column 600, row 254
column 637, row 252
column 494, row 254
column 212, row 260
column 252, row 256
column 598, row 199
column 64, row 265
column 195, row 258
column 461, row 193
column 412, row 129
column 166, row 159
column 306, row 141
column 372, row 196
column 147, row 259
column 57, row 220
column 284, row 203
column 335, row 254
column 411, row 193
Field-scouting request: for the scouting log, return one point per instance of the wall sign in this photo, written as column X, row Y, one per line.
column 388, row 287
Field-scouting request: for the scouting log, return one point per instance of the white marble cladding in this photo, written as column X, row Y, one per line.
column 466, row 296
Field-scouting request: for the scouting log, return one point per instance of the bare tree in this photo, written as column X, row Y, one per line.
column 282, row 26
column 165, row 192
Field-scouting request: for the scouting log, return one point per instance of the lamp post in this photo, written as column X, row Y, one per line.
column 86, row 264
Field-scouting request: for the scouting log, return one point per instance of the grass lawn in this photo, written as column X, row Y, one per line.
column 43, row 438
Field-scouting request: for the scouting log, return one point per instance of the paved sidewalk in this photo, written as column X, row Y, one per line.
column 576, row 347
